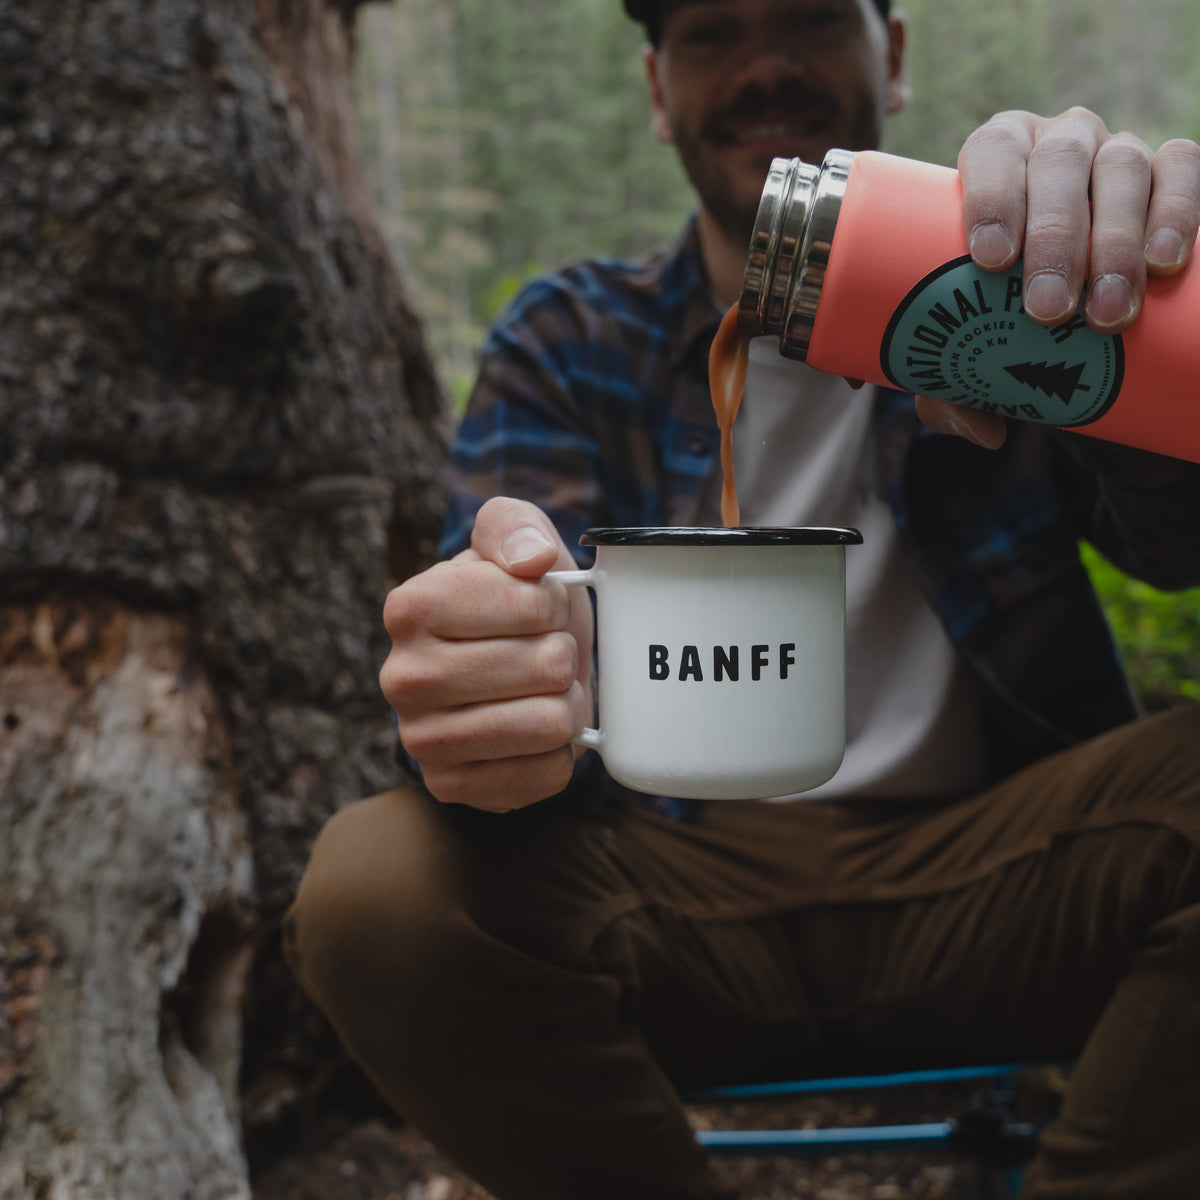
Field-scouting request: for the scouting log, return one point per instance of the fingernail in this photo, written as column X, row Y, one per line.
column 990, row 245
column 1109, row 301
column 523, row 544
column 965, row 429
column 1048, row 297
column 1165, row 248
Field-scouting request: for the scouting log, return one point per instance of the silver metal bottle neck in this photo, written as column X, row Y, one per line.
column 789, row 248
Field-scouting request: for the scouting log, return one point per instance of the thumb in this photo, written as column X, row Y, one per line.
column 518, row 537
column 984, row 429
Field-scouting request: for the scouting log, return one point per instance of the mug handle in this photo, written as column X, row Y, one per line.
column 587, row 737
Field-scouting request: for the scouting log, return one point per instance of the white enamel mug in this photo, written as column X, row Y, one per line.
column 721, row 657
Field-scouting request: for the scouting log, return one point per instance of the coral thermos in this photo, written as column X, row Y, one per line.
column 860, row 266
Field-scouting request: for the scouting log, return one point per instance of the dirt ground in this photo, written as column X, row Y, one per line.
column 380, row 1160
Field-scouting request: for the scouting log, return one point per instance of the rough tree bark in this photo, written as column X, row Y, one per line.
column 220, row 442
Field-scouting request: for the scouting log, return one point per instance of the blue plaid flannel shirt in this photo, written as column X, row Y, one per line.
column 592, row 402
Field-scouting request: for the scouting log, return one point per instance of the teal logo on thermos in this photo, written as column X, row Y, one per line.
column 961, row 334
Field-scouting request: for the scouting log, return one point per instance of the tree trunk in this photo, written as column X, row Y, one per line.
column 220, row 443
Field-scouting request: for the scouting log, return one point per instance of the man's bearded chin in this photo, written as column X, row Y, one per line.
column 732, row 212
column 727, row 198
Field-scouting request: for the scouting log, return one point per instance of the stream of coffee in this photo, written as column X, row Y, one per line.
column 728, row 358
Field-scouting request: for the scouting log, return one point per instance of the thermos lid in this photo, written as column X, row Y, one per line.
column 789, row 248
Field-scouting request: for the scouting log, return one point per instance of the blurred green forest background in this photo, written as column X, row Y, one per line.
column 504, row 139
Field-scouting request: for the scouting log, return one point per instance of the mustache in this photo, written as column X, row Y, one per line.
column 786, row 97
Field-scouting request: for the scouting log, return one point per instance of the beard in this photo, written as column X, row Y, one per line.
column 731, row 197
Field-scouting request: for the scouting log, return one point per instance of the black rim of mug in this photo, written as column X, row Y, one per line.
column 715, row 535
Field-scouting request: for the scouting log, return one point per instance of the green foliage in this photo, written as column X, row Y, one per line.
column 1158, row 632
column 500, row 139
column 506, row 285
column 968, row 60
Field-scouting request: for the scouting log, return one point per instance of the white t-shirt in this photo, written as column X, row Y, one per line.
column 802, row 443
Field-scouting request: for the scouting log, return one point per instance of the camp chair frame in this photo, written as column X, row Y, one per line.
column 985, row 1132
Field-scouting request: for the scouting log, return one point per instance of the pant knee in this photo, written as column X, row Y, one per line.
column 376, row 874
column 1174, row 773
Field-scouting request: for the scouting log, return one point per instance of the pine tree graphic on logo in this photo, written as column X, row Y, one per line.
column 1057, row 379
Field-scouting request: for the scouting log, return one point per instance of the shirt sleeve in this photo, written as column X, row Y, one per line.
column 529, row 425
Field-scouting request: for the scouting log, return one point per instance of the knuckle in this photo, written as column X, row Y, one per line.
column 581, row 703
column 498, row 508
column 420, row 740
column 560, row 765
column 1002, row 136
column 402, row 679
column 1078, row 115
column 1052, row 239
column 551, row 724
column 451, row 787
column 497, row 515
column 493, row 511
column 559, row 661
column 1125, row 150
column 394, row 608
column 1176, row 171
column 409, row 606
column 1007, row 128
column 501, row 787
column 1061, row 148
column 539, row 608
column 1075, row 122
column 1182, row 152
column 388, row 681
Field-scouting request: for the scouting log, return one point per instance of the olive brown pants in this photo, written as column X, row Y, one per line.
column 530, row 989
